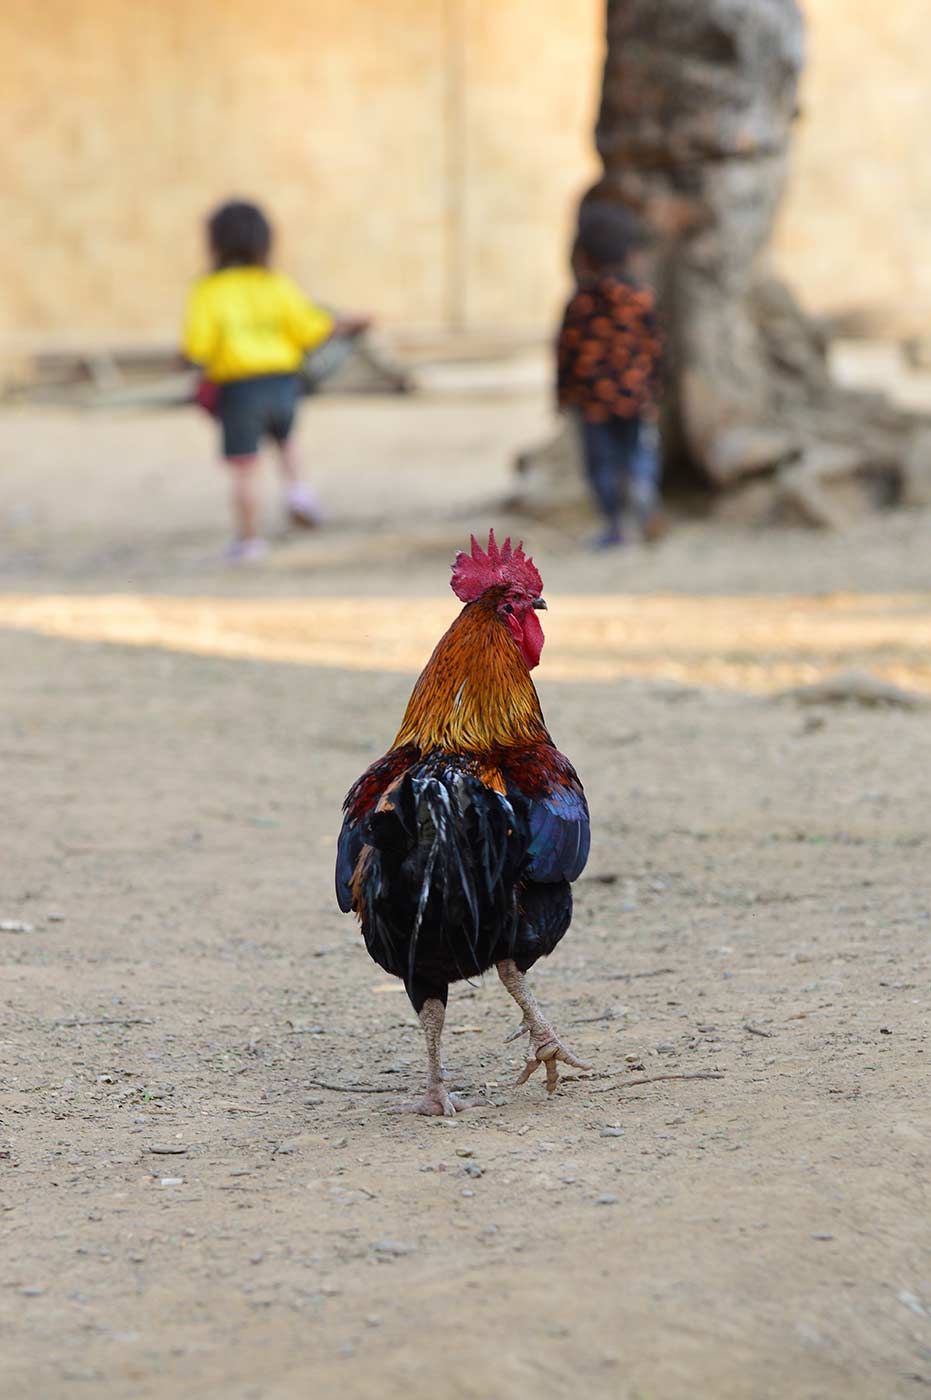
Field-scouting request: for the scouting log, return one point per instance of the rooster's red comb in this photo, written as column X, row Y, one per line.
column 474, row 573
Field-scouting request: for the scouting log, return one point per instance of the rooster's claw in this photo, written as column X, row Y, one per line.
column 548, row 1054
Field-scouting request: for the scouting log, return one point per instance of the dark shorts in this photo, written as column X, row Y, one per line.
column 251, row 409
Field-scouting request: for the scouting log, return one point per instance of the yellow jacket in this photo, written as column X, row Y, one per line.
column 244, row 321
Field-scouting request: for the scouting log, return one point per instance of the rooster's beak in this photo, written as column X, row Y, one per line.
column 539, row 604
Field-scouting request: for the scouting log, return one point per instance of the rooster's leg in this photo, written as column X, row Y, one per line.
column 545, row 1046
column 437, row 1101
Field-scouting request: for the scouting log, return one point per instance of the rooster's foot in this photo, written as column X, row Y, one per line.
column 438, row 1102
column 547, row 1054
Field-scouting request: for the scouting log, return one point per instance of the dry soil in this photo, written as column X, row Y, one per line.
column 202, row 1190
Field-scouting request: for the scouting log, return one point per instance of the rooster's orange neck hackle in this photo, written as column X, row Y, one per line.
column 475, row 694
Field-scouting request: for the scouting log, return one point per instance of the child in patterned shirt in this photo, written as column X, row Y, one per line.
column 608, row 370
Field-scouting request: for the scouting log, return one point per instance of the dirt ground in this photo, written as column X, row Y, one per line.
column 202, row 1191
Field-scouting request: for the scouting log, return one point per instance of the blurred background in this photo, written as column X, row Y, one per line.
column 423, row 161
column 421, row 158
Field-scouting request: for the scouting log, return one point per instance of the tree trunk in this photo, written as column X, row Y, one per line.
column 697, row 107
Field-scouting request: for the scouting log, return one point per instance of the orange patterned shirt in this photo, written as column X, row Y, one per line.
column 608, row 354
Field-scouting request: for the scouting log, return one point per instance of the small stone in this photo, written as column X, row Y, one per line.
column 340, row 1142
column 612, row 1132
column 392, row 1249
column 665, row 1048
column 14, row 926
column 373, row 1320
column 167, row 1149
column 607, row 1200
column 32, row 1290
column 284, row 1149
column 55, row 917
column 464, row 1152
column 467, row 1192
column 473, row 1169
column 171, row 1181
column 821, row 1235
column 913, row 1304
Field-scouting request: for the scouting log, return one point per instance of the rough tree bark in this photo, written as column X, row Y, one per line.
column 698, row 102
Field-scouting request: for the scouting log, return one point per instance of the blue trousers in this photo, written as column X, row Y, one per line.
column 623, row 465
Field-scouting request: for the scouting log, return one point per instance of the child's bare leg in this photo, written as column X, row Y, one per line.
column 302, row 503
column 289, row 461
column 244, row 474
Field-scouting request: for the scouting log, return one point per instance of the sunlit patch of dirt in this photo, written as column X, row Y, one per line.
column 750, row 643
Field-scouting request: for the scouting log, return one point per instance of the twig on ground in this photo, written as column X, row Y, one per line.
column 353, row 1088
column 755, row 1030
column 110, row 1021
column 656, row 1079
column 629, row 976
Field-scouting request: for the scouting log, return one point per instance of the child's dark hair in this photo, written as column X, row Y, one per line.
column 239, row 234
column 607, row 235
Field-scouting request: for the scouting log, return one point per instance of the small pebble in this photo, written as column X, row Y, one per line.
column 14, row 926
column 607, row 1200
column 464, row 1152
column 32, row 1290
column 467, row 1192
column 373, row 1320
column 167, row 1149
column 664, row 1048
column 171, row 1181
column 612, row 1132
column 392, row 1249
column 822, row 1235
column 472, row 1169
column 55, row 917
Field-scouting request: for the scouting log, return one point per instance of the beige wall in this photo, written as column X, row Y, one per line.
column 855, row 231
column 419, row 156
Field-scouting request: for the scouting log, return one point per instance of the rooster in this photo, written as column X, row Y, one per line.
column 458, row 848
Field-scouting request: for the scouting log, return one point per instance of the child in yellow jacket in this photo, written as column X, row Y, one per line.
column 249, row 328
